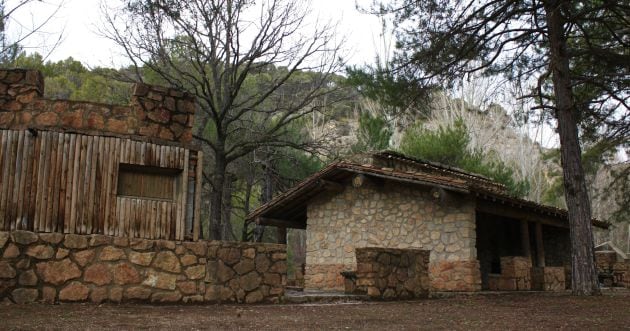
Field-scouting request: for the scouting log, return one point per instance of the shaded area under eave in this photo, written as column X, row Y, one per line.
column 289, row 209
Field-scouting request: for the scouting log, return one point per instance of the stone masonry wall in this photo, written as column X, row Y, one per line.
column 53, row 267
column 154, row 112
column 391, row 215
column 387, row 273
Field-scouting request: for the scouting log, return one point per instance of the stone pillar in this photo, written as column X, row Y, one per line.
column 540, row 249
column 18, row 88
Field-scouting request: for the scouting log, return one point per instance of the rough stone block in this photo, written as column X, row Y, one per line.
column 137, row 293
column 40, row 252
column 167, row 261
column 84, row 257
column 28, row 278
column 143, row 259
column 58, row 272
column 75, row 241
column 51, row 238
column 24, row 295
column 100, row 240
column 124, row 273
column 98, row 274
column 75, row 291
column 98, row 295
column 12, row 251
column 166, row 297
column 111, row 253
column 24, row 237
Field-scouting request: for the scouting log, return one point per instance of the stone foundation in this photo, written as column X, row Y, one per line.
column 461, row 276
column 53, row 267
column 386, row 273
column 325, row 276
column 548, row 279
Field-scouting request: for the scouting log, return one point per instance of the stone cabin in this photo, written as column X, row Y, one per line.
column 479, row 237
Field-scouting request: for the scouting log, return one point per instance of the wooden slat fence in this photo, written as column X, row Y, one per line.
column 66, row 182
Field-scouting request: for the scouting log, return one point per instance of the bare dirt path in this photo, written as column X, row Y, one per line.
column 497, row 312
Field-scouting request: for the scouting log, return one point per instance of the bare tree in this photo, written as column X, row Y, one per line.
column 254, row 66
column 11, row 43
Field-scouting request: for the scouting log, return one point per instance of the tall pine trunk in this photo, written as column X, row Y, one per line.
column 584, row 276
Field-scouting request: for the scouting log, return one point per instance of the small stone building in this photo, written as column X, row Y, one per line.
column 88, row 168
column 479, row 237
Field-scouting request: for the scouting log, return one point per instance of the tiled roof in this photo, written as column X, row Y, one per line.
column 441, row 176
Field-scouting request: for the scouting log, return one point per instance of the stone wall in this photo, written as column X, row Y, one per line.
column 53, row 267
column 516, row 275
column 608, row 263
column 153, row 113
column 391, row 215
column 387, row 273
column 548, row 279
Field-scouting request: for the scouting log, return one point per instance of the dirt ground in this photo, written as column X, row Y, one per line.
column 488, row 312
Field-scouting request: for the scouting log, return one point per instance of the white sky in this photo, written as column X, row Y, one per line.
column 79, row 20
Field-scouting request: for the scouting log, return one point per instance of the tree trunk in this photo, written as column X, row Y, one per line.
column 226, row 210
column 584, row 276
column 216, row 197
column 246, row 235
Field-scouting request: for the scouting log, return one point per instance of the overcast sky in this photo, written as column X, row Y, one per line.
column 79, row 20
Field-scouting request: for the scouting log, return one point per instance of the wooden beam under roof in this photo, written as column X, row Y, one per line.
column 496, row 208
column 280, row 223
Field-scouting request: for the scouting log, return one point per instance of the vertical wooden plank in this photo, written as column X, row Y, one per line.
column 3, row 174
column 32, row 210
column 117, row 217
column 159, row 219
column 53, row 188
column 67, row 225
column 75, row 184
column 43, row 180
column 28, row 183
column 23, row 169
column 99, row 187
column 107, row 181
column 63, row 181
column 91, row 220
column 12, row 204
column 181, row 220
column 197, row 203
column 50, row 174
column 50, row 201
column 10, row 193
column 114, row 184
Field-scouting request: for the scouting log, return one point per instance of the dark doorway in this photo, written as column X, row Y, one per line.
column 497, row 236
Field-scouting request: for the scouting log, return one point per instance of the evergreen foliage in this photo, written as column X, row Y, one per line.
column 373, row 135
column 450, row 146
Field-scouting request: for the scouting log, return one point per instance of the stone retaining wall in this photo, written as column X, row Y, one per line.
column 387, row 273
column 153, row 112
column 53, row 267
column 516, row 275
column 548, row 279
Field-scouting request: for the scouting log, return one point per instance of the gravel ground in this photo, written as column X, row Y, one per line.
column 610, row 311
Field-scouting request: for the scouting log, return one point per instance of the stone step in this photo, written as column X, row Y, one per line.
column 294, row 296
